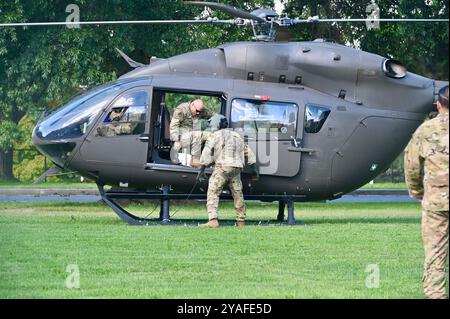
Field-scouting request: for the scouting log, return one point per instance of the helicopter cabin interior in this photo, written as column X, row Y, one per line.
column 163, row 105
column 267, row 126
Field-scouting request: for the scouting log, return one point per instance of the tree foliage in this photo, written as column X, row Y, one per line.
column 40, row 67
column 422, row 47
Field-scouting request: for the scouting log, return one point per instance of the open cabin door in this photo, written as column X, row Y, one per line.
column 164, row 102
column 120, row 137
column 272, row 127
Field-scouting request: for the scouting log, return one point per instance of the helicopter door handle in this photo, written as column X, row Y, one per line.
column 301, row 150
column 144, row 138
column 296, row 142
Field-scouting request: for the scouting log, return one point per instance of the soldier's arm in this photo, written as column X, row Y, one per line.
column 207, row 154
column 249, row 155
column 175, row 125
column 414, row 168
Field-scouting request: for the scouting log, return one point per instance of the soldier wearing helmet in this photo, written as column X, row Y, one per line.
column 229, row 154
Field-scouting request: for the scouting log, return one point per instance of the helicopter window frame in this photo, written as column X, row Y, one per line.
column 161, row 144
column 288, row 126
column 315, row 117
column 199, row 93
column 120, row 129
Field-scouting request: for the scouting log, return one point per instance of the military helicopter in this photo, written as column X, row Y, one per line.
column 322, row 118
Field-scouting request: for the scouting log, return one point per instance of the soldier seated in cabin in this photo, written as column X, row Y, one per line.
column 114, row 124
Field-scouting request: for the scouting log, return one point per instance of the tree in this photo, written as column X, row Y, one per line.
column 40, row 67
column 422, row 47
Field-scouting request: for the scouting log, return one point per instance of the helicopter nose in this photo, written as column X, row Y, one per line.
column 57, row 151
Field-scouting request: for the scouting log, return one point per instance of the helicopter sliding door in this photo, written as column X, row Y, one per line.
column 269, row 126
column 120, row 137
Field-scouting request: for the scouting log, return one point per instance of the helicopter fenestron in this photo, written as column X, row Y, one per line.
column 322, row 118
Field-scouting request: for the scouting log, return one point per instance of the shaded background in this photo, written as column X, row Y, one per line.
column 42, row 67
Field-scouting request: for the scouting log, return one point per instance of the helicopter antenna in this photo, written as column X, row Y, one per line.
column 129, row 60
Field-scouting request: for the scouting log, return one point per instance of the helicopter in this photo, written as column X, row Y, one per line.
column 322, row 118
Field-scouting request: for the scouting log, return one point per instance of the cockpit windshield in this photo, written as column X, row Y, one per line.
column 73, row 120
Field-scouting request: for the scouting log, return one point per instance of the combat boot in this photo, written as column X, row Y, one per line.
column 240, row 223
column 213, row 223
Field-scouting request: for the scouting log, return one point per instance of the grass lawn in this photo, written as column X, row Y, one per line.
column 89, row 185
column 385, row 186
column 63, row 185
column 337, row 253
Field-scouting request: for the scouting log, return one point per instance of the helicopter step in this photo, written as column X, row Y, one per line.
column 164, row 196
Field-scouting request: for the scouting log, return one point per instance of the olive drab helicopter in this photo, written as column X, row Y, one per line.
column 322, row 118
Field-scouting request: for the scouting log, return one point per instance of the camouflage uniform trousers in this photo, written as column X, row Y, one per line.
column 192, row 141
column 435, row 242
column 220, row 177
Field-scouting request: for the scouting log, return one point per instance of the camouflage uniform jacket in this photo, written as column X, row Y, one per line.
column 183, row 121
column 227, row 149
column 427, row 156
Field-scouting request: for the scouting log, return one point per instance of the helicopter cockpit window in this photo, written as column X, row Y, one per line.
column 73, row 120
column 263, row 117
column 315, row 117
column 127, row 116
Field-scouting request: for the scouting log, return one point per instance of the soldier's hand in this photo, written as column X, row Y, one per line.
column 99, row 131
column 177, row 146
column 201, row 176
column 255, row 172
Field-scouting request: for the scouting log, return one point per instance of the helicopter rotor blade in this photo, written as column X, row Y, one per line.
column 316, row 19
column 233, row 11
column 32, row 24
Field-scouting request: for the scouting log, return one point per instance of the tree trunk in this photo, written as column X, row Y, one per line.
column 6, row 165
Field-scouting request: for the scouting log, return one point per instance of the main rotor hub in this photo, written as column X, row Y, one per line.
column 266, row 14
column 264, row 31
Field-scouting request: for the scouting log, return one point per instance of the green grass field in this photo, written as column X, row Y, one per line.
column 335, row 255
column 88, row 185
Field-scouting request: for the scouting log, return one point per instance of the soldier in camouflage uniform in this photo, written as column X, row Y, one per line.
column 185, row 119
column 229, row 153
column 427, row 177
column 193, row 142
column 114, row 127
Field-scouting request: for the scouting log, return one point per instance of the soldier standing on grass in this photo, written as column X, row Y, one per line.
column 427, row 177
column 230, row 154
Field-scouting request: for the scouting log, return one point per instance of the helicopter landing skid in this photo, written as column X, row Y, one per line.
column 164, row 196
